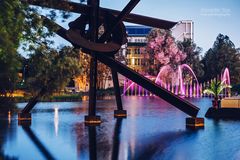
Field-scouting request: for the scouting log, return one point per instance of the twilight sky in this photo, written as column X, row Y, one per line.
column 210, row 17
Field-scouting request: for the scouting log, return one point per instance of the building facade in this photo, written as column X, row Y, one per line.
column 136, row 54
column 183, row 29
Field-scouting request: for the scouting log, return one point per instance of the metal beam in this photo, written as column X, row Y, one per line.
column 166, row 95
column 84, row 9
column 93, row 29
column 117, row 89
column 116, row 139
column 125, row 12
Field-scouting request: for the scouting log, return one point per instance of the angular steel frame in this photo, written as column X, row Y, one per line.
column 116, row 66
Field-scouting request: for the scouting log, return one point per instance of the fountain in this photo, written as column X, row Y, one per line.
column 135, row 89
column 226, row 76
column 180, row 81
column 226, row 79
column 180, row 86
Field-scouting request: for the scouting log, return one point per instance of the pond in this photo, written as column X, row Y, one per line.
column 153, row 130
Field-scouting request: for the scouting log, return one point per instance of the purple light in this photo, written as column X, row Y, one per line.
column 190, row 90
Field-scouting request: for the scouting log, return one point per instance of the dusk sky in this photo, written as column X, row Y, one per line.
column 210, row 17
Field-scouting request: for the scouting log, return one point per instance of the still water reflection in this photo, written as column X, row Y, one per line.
column 152, row 130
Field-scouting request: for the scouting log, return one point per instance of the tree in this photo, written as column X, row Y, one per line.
column 103, row 74
column 11, row 27
column 20, row 25
column 164, row 52
column 215, row 88
column 193, row 56
column 51, row 71
column 223, row 54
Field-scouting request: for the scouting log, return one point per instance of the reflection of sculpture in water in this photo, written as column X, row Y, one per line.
column 96, row 142
column 43, row 150
column 116, row 139
column 6, row 133
column 92, row 142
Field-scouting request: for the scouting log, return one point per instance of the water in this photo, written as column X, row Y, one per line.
column 152, row 130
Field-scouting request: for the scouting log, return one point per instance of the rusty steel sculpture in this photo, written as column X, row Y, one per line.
column 103, row 48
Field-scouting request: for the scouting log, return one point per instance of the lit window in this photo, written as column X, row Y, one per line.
column 133, row 61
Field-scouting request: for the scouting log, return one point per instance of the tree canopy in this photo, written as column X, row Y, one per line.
column 51, row 69
column 20, row 26
column 11, row 33
column 223, row 54
column 193, row 56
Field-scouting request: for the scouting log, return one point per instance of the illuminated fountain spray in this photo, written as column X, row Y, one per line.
column 181, row 80
column 179, row 87
column 134, row 89
column 226, row 79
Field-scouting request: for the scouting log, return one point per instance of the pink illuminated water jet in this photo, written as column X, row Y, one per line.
column 178, row 85
column 180, row 79
column 226, row 77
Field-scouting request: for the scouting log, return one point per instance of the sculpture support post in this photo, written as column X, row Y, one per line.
column 91, row 118
column 119, row 112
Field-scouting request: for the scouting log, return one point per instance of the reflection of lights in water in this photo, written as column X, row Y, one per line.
column 56, row 120
column 133, row 112
column 125, row 151
column 9, row 117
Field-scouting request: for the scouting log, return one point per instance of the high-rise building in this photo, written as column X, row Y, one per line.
column 183, row 29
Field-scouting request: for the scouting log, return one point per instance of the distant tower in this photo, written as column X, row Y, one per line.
column 184, row 29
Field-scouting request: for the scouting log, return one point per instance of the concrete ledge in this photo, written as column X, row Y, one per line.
column 24, row 119
column 120, row 113
column 194, row 122
column 24, row 123
column 24, row 116
column 223, row 113
column 92, row 120
column 233, row 102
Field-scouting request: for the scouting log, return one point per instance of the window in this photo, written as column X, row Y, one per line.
column 136, row 61
column 128, row 51
column 132, row 61
column 135, row 51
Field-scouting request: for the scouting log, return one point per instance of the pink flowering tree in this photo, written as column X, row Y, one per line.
column 166, row 53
